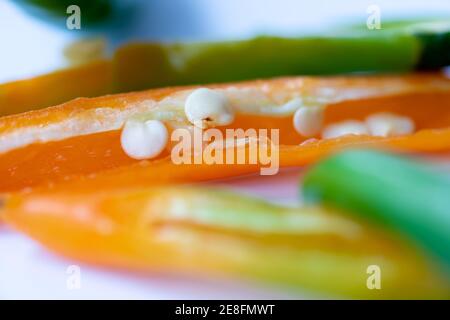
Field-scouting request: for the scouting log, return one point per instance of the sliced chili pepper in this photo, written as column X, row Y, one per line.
column 56, row 144
column 194, row 230
column 397, row 193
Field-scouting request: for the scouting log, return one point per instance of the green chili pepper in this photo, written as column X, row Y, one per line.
column 433, row 35
column 422, row 45
column 397, row 193
column 145, row 65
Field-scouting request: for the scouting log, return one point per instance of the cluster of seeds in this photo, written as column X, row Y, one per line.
column 206, row 108
column 308, row 121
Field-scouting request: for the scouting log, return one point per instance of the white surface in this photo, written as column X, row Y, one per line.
column 28, row 271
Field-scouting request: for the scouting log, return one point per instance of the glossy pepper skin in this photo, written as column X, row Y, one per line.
column 203, row 231
column 406, row 47
column 405, row 196
column 262, row 57
column 88, row 80
column 433, row 35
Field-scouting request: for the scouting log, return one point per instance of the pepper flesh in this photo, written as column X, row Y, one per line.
column 100, row 154
column 204, row 231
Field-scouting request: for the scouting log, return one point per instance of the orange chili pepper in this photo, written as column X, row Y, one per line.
column 194, row 230
column 85, row 133
column 89, row 80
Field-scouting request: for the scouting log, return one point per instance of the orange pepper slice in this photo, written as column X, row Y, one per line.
column 425, row 98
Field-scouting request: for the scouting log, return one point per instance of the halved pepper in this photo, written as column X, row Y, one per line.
column 82, row 138
column 194, row 230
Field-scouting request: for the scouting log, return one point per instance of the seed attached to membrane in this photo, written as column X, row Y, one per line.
column 308, row 120
column 345, row 128
column 206, row 108
column 389, row 124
